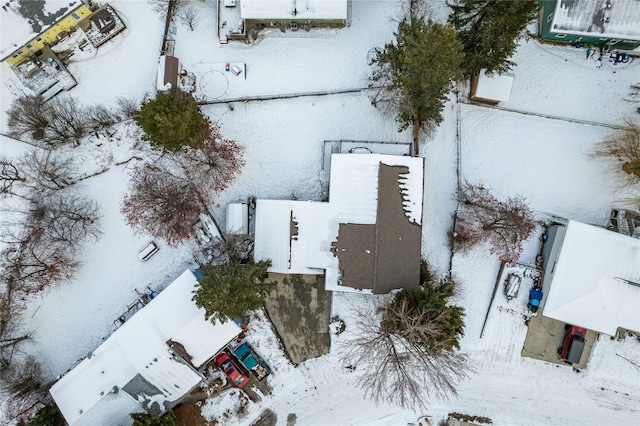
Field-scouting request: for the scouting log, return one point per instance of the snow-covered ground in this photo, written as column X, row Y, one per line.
column 517, row 151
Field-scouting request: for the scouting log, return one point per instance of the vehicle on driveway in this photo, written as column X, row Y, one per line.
column 573, row 344
column 231, row 370
column 251, row 360
column 512, row 286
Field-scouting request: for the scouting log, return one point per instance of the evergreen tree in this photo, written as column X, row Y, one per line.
column 146, row 419
column 488, row 31
column 171, row 121
column 231, row 289
column 415, row 73
column 49, row 415
column 423, row 313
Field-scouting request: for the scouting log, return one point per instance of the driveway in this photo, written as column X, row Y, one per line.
column 299, row 309
column 545, row 335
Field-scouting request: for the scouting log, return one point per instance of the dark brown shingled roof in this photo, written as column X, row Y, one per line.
column 384, row 256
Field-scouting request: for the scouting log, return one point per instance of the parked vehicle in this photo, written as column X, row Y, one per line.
column 149, row 250
column 231, row 370
column 251, row 360
column 512, row 286
column 573, row 344
column 535, row 296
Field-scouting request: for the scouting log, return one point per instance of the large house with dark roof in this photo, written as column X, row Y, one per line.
column 367, row 237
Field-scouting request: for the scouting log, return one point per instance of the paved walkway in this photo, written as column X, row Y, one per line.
column 300, row 308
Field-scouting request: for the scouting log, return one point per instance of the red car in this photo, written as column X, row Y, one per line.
column 573, row 344
column 231, row 370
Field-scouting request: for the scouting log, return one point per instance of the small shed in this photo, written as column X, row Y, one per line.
column 237, row 218
column 169, row 68
column 491, row 88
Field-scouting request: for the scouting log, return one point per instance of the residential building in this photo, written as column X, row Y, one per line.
column 609, row 23
column 367, row 237
column 148, row 364
column 20, row 40
column 274, row 13
column 592, row 278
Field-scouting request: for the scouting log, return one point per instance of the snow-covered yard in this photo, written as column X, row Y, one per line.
column 532, row 146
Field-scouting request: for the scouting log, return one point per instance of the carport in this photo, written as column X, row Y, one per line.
column 545, row 335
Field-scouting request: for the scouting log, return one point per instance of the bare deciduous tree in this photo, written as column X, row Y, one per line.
column 188, row 15
column 128, row 107
column 34, row 264
column 99, row 117
column 67, row 120
column 27, row 391
column 27, row 114
column 67, row 219
column 482, row 217
column 46, row 170
column 161, row 204
column 9, row 174
column 623, row 148
column 162, row 7
column 213, row 164
column 397, row 364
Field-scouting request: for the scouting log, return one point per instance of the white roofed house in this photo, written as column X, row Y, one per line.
column 367, row 237
column 277, row 13
column 592, row 278
column 149, row 363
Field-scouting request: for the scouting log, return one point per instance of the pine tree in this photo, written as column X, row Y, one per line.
column 416, row 72
column 146, row 419
column 49, row 415
column 422, row 315
column 229, row 290
column 171, row 121
column 489, row 30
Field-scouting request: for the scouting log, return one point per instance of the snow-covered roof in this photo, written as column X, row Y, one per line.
column 294, row 9
column 591, row 283
column 134, row 367
column 168, row 69
column 301, row 237
column 15, row 29
column 598, row 18
column 494, row 87
column 237, row 218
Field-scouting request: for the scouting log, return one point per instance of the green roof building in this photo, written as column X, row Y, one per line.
column 610, row 23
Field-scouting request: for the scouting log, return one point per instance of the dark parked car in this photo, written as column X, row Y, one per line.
column 573, row 344
column 231, row 370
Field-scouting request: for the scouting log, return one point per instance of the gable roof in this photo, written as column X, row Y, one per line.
column 294, row 9
column 134, row 368
column 598, row 18
column 366, row 237
column 590, row 285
